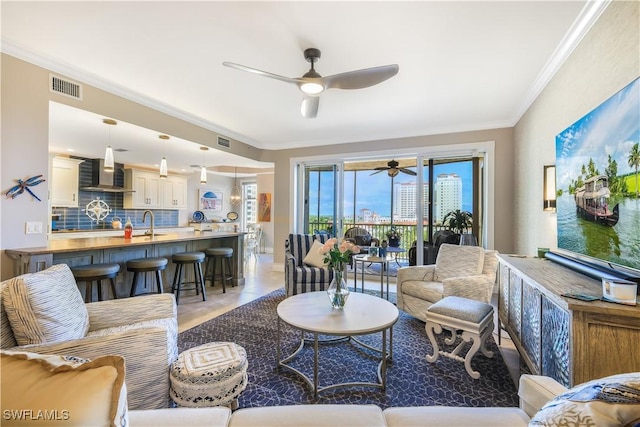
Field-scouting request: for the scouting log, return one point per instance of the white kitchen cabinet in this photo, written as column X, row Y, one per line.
column 146, row 190
column 65, row 179
column 174, row 192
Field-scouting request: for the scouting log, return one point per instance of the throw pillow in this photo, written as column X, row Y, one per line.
column 314, row 258
column 61, row 390
column 610, row 401
column 45, row 306
column 458, row 261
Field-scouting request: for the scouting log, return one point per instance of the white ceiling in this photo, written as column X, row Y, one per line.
column 463, row 65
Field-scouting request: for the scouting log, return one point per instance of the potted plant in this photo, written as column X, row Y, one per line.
column 393, row 236
column 458, row 221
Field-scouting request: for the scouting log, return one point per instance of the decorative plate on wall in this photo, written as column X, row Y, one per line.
column 198, row 216
column 232, row 216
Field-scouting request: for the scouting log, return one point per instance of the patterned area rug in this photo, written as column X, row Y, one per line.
column 411, row 380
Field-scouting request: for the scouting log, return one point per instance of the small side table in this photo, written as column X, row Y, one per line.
column 384, row 270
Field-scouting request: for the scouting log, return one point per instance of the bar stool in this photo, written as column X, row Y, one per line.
column 143, row 265
column 195, row 258
column 222, row 254
column 96, row 272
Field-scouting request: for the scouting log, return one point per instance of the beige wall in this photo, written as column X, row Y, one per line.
column 605, row 61
column 503, row 138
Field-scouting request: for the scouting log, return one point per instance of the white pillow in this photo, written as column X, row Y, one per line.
column 45, row 306
column 62, row 390
column 610, row 401
column 314, row 258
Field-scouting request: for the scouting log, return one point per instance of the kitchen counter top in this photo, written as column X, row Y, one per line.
column 117, row 249
column 81, row 244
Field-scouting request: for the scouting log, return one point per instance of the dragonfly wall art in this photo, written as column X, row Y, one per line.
column 24, row 185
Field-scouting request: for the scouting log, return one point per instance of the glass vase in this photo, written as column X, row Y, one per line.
column 338, row 291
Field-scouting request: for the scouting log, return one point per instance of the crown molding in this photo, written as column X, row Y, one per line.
column 580, row 27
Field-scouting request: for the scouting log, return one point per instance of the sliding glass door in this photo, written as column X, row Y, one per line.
column 384, row 195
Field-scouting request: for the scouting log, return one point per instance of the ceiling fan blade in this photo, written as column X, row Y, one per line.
column 262, row 73
column 309, row 107
column 360, row 78
column 378, row 171
column 407, row 171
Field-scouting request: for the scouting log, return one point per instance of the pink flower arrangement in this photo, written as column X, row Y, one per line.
column 336, row 252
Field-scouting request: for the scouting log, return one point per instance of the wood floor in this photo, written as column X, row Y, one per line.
column 260, row 279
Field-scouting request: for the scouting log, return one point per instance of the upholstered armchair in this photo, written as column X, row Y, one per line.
column 44, row 313
column 464, row 271
column 301, row 276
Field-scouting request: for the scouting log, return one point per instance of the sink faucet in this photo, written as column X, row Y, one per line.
column 144, row 218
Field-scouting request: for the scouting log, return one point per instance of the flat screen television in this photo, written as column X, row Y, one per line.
column 598, row 189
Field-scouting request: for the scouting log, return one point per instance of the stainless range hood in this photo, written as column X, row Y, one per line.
column 103, row 181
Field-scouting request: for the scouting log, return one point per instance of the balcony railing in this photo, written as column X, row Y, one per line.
column 379, row 231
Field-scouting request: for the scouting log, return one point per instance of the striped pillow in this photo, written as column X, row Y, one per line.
column 45, row 307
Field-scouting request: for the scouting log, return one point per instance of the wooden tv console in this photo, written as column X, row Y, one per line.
column 570, row 340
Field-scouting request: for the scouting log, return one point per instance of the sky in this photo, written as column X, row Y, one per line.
column 374, row 191
column 611, row 128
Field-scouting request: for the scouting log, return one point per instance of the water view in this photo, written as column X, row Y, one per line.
column 619, row 244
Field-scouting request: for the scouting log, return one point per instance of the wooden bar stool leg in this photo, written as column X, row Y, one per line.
column 230, row 268
column 224, row 276
column 134, row 282
column 176, row 285
column 99, row 283
column 113, row 288
column 199, row 274
column 159, row 281
column 88, row 291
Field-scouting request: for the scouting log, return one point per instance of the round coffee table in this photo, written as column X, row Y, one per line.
column 363, row 314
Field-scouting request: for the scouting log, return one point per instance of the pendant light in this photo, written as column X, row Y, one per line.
column 109, row 163
column 235, row 191
column 163, row 162
column 203, row 171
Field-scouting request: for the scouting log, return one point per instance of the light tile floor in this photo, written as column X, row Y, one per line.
column 261, row 279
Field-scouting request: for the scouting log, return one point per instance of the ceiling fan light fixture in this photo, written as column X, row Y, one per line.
column 312, row 88
column 393, row 172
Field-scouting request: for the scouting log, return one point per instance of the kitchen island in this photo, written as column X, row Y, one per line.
column 116, row 249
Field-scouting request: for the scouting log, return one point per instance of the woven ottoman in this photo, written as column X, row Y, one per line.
column 473, row 319
column 212, row 374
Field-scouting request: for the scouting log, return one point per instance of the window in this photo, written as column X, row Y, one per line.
column 249, row 203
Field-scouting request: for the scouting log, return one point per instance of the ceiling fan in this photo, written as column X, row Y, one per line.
column 393, row 169
column 312, row 84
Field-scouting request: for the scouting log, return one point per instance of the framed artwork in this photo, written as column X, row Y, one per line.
column 209, row 200
column 264, row 207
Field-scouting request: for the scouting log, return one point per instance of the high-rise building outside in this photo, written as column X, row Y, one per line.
column 405, row 201
column 448, row 194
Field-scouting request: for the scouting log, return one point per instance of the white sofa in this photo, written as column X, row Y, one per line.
column 534, row 392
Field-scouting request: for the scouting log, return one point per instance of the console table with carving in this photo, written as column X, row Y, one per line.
column 567, row 339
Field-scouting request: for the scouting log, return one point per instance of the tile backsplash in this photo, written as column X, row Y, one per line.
column 77, row 219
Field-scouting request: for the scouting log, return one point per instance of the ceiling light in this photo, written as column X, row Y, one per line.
column 311, row 88
column 109, row 163
column 203, row 171
column 235, row 191
column 163, row 162
column 393, row 172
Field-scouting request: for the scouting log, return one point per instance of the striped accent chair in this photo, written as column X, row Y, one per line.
column 44, row 313
column 298, row 276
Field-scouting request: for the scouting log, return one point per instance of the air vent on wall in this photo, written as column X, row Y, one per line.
column 65, row 87
column 224, row 142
